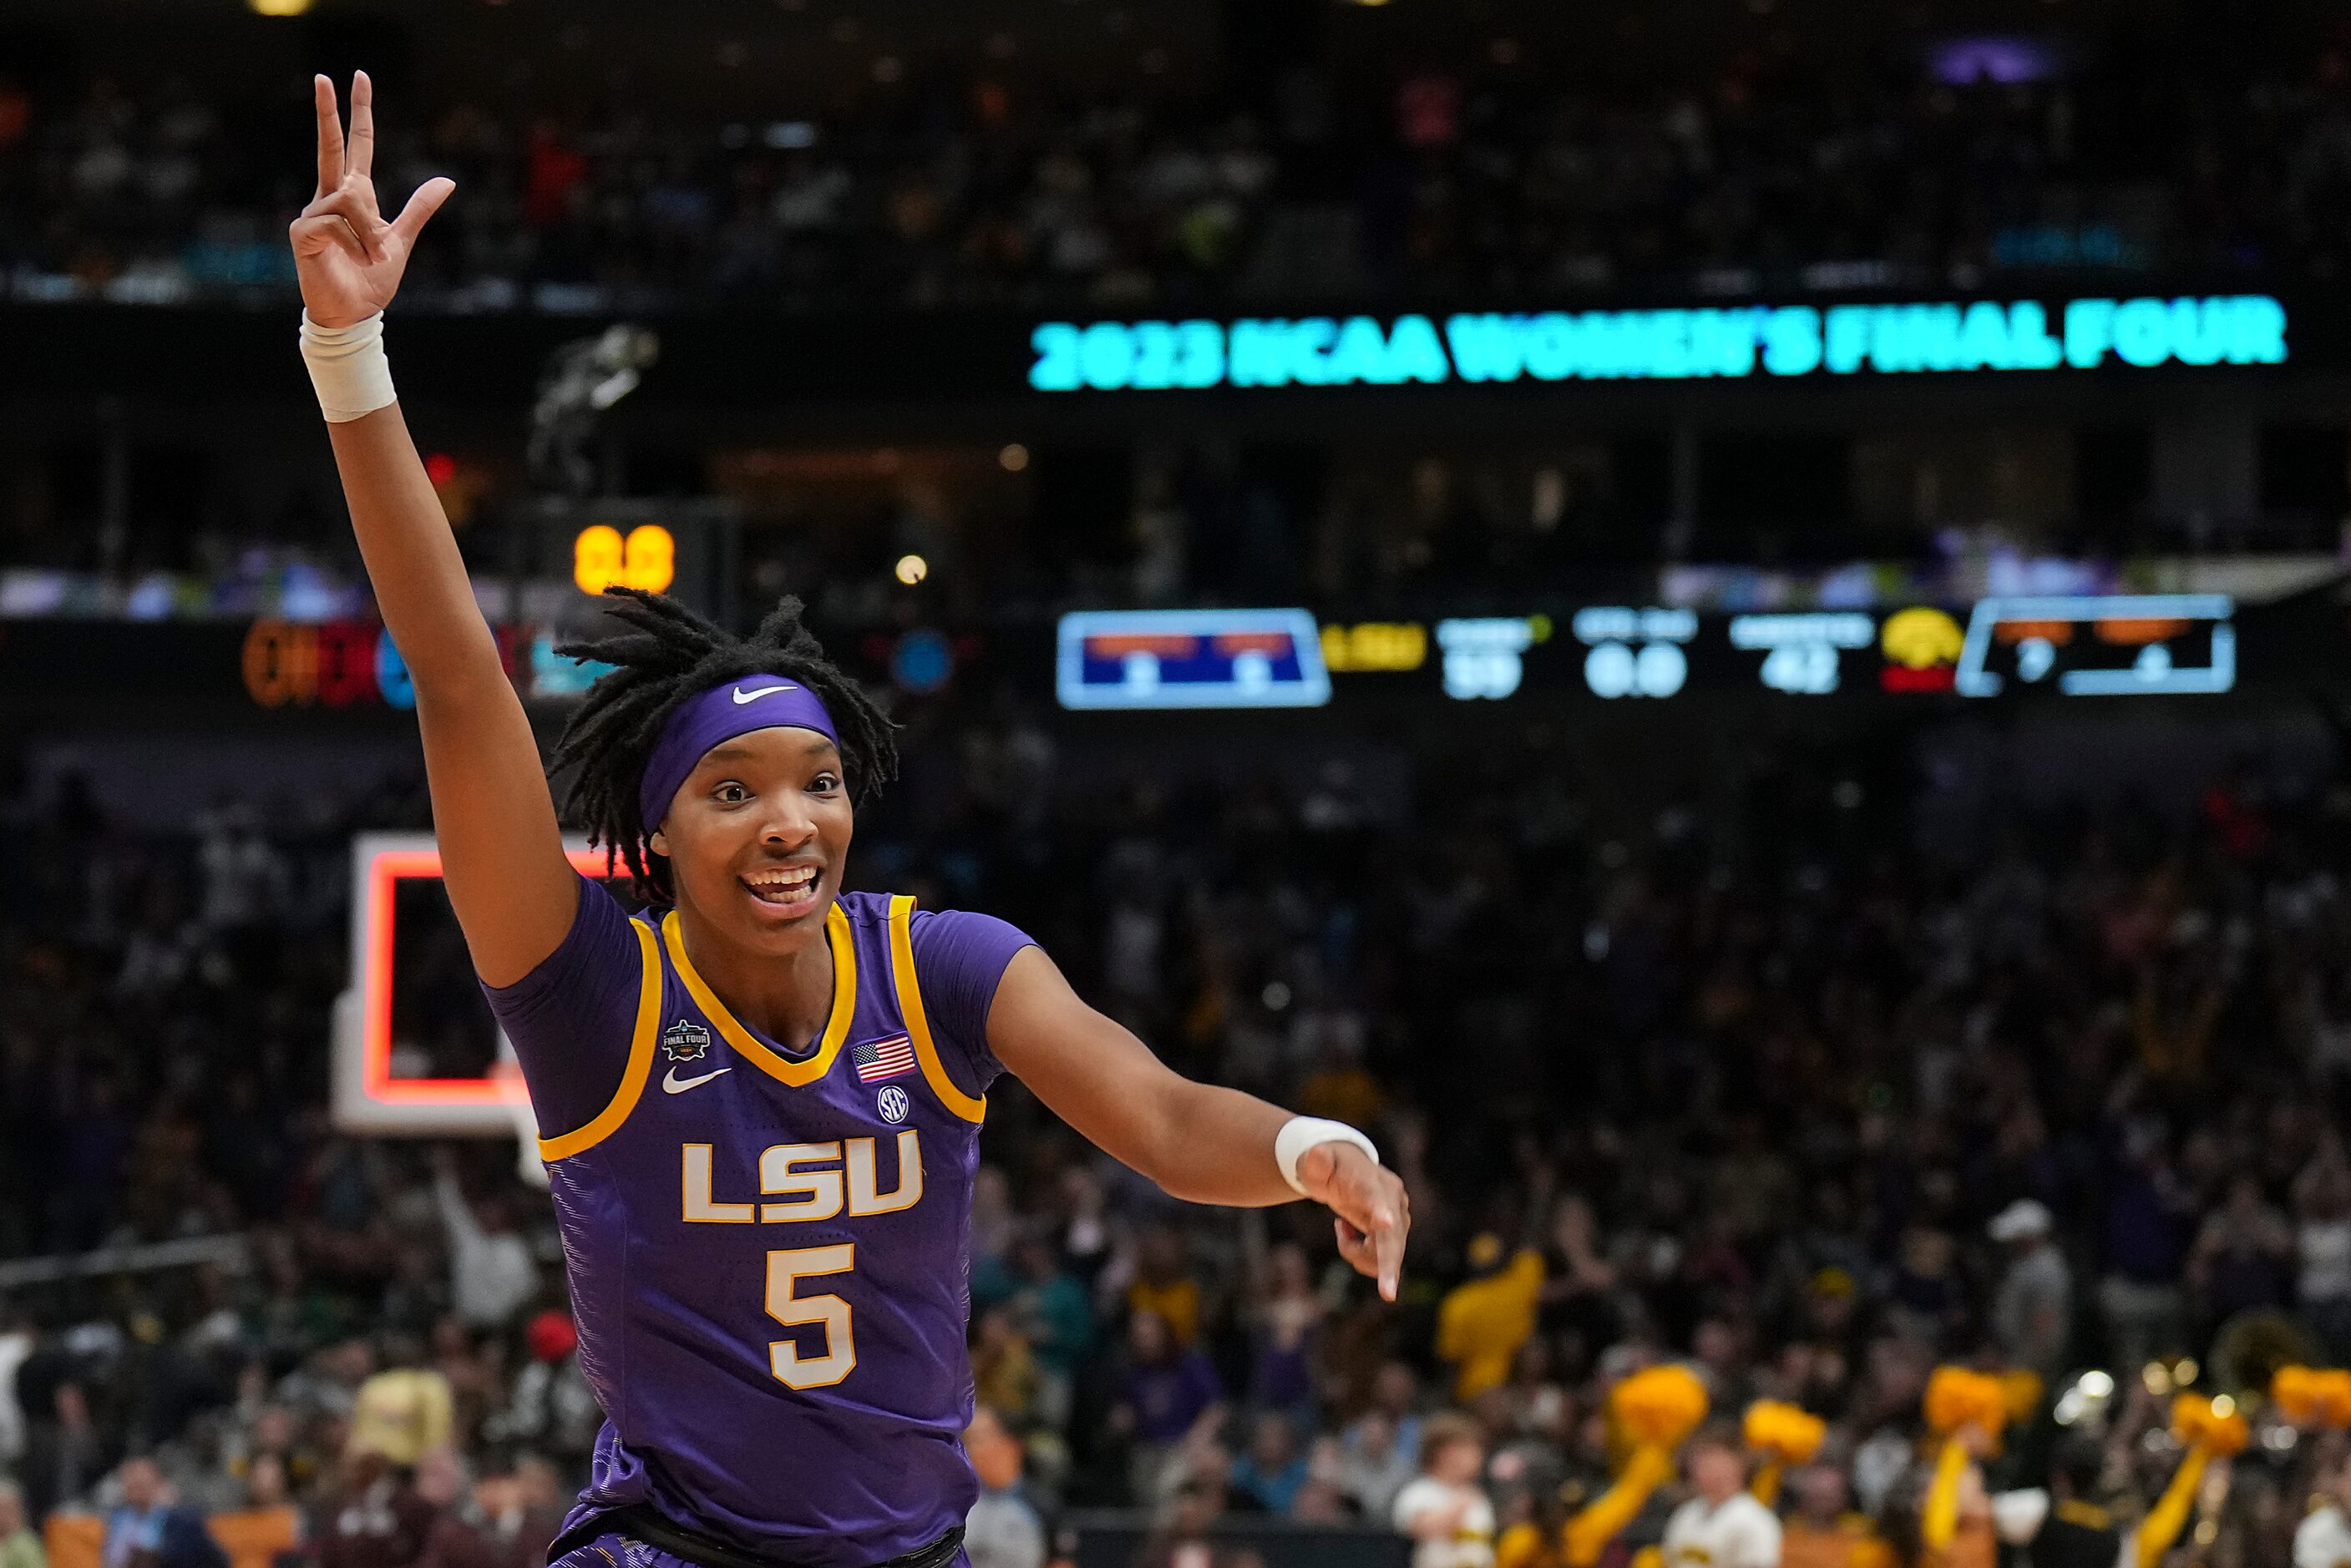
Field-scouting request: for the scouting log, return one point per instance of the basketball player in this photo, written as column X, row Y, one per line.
column 761, row 1099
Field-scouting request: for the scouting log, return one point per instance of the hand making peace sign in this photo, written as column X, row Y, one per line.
column 348, row 259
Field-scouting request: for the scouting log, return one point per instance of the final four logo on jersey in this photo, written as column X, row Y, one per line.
column 686, row 1041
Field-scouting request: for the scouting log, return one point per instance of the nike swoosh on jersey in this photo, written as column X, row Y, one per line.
column 742, row 696
column 673, row 1085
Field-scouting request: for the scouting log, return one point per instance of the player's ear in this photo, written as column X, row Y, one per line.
column 659, row 843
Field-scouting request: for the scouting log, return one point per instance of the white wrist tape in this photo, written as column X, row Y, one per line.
column 348, row 368
column 1300, row 1134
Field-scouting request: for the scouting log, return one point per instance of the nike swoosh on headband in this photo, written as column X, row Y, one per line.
column 742, row 696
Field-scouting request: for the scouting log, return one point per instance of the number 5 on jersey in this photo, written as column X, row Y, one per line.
column 786, row 1269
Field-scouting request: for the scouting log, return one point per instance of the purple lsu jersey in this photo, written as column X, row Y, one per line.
column 769, row 1260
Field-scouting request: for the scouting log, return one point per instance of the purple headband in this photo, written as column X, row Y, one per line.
column 721, row 713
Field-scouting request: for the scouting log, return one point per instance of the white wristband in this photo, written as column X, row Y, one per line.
column 1300, row 1134
column 348, row 368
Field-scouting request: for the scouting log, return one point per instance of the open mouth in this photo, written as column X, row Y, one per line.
column 783, row 888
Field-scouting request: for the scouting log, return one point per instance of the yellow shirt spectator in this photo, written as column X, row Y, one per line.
column 1482, row 1322
column 399, row 1414
column 1177, row 1303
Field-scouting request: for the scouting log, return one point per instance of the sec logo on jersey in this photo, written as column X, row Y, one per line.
column 893, row 1103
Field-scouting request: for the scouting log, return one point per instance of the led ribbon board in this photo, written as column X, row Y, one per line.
column 2101, row 646
column 1191, row 659
column 1765, row 341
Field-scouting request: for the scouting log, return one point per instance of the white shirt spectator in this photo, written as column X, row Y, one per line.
column 1471, row 1544
column 2324, row 1250
column 16, row 1347
column 1375, row 1468
column 2323, row 1539
column 1003, row 1531
column 492, row 1275
column 1738, row 1533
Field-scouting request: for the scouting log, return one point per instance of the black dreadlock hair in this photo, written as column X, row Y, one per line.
column 669, row 654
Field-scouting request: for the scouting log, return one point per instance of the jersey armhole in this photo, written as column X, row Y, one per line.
column 641, row 1058
column 918, row 1024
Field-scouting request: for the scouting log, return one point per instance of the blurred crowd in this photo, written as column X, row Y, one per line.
column 1761, row 1084
column 1478, row 178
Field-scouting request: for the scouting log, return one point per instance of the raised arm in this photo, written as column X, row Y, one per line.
column 502, row 854
column 1199, row 1141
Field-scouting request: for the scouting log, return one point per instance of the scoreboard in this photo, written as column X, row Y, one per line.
column 1190, row 659
column 2118, row 645
column 2101, row 646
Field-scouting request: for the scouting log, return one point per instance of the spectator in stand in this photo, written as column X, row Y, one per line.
column 19, row 1546
column 2243, row 1256
column 1373, row 1467
column 1824, row 1531
column 2032, row 1313
column 1055, row 1318
column 1003, row 1372
column 65, row 1455
column 1183, row 1540
column 2148, row 1227
column 1396, row 1397
column 550, row 1406
column 1004, row 1529
column 509, row 1521
column 403, row 1411
column 492, row 1273
column 1274, row 1466
column 371, row 1518
column 1449, row 1517
column 1165, row 1285
column 1169, row 1394
column 2323, row 1539
column 1324, row 1498
column 1722, row 1525
column 1285, row 1317
column 149, row 1529
column 16, row 1343
column 2323, row 1247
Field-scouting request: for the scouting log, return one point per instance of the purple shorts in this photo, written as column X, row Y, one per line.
column 614, row 1550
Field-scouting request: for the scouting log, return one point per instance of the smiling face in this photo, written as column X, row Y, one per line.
column 757, row 835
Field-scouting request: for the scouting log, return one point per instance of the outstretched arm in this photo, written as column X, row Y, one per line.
column 1200, row 1142
column 501, row 851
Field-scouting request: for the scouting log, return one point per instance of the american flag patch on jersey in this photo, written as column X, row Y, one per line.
column 878, row 1059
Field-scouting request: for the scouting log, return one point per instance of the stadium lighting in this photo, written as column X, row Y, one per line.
column 278, row 7
column 912, row 570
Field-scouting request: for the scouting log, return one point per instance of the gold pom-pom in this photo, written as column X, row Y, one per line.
column 1787, row 1432
column 2215, row 1425
column 2313, row 1397
column 1661, row 1405
column 1958, row 1397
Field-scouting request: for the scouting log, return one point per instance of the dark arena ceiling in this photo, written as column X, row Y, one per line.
column 722, row 57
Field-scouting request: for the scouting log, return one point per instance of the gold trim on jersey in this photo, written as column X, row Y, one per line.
column 918, row 1024
column 641, row 1058
column 799, row 1074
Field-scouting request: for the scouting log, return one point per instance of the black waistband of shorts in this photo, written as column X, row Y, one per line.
column 695, row 1547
